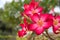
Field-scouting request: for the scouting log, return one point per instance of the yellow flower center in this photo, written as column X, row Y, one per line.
column 40, row 22
column 33, row 11
column 55, row 22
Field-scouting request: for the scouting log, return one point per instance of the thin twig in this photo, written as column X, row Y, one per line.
column 39, row 1
column 49, row 35
column 45, row 35
column 31, row 37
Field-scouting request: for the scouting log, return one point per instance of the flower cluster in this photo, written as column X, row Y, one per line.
column 39, row 21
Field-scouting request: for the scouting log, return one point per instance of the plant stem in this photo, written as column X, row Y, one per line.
column 39, row 0
column 49, row 35
column 27, row 17
column 31, row 37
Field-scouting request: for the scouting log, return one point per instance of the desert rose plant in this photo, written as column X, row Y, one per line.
column 37, row 21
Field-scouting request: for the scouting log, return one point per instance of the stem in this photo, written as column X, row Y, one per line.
column 49, row 35
column 45, row 35
column 31, row 37
column 27, row 17
column 39, row 0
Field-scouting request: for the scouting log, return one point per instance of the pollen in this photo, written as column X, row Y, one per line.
column 55, row 22
column 33, row 11
column 40, row 22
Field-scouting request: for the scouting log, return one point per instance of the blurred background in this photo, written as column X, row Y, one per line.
column 10, row 17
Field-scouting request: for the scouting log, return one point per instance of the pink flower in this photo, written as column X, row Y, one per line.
column 23, row 30
column 21, row 33
column 32, row 8
column 31, row 5
column 40, row 23
column 56, row 24
column 25, row 24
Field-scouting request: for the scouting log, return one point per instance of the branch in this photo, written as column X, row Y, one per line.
column 31, row 37
column 45, row 35
column 39, row 1
column 49, row 35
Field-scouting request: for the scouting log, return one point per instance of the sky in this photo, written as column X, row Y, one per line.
column 2, row 2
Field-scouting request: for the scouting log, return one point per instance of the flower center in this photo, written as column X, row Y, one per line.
column 55, row 22
column 33, row 11
column 40, row 22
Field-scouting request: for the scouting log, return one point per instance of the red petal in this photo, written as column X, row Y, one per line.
column 39, row 30
column 26, row 6
column 44, row 17
column 50, row 18
column 46, row 25
column 22, row 25
column 25, row 21
column 55, row 28
column 28, row 12
column 35, row 18
column 34, row 4
column 21, row 33
column 39, row 9
column 58, row 24
column 32, row 27
column 58, row 18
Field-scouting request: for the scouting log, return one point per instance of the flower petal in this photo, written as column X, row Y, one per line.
column 34, row 4
column 26, row 6
column 46, row 25
column 22, row 25
column 58, row 18
column 50, row 18
column 39, row 30
column 58, row 24
column 39, row 10
column 32, row 27
column 28, row 12
column 21, row 33
column 55, row 28
column 25, row 21
column 44, row 17
column 35, row 18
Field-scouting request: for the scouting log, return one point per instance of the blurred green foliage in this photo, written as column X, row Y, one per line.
column 10, row 16
column 48, row 4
